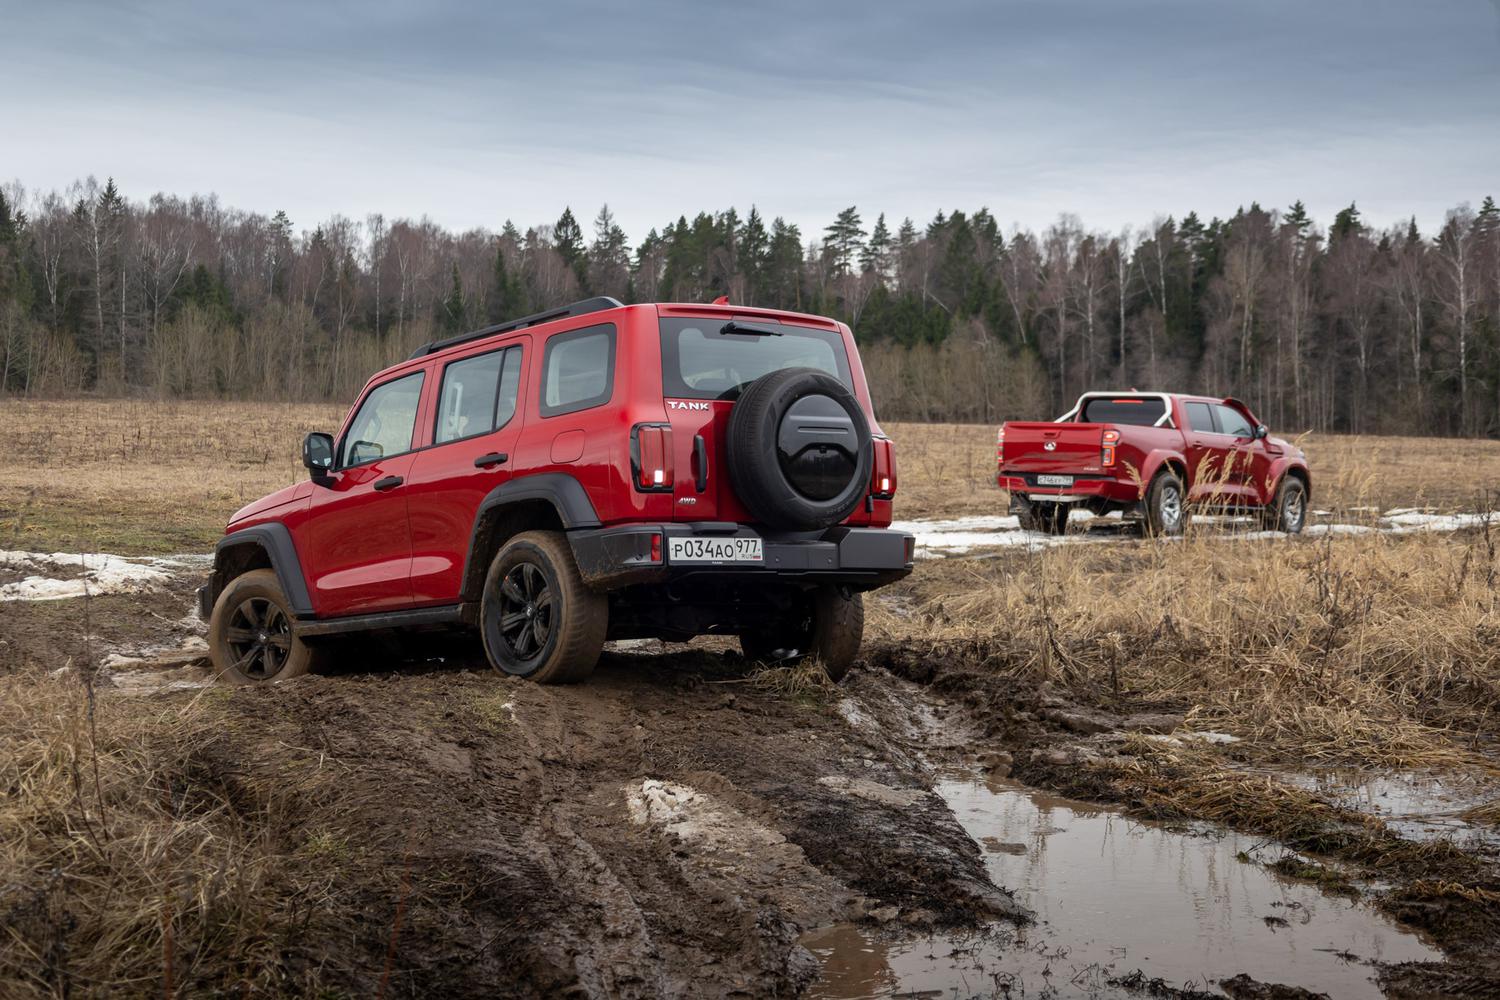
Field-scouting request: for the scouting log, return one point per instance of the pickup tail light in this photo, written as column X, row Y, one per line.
column 651, row 458
column 1000, row 448
column 1111, row 439
column 883, row 479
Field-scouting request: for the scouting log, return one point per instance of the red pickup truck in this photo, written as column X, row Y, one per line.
column 1151, row 455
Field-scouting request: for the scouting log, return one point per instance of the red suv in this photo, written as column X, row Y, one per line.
column 595, row 472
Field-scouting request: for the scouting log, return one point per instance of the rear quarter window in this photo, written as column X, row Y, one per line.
column 578, row 370
column 1136, row 411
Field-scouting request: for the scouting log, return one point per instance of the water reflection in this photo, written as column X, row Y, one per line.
column 1112, row 896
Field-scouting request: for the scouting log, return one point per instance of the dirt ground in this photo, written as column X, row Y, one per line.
column 412, row 825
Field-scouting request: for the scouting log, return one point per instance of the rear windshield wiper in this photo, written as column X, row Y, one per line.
column 749, row 331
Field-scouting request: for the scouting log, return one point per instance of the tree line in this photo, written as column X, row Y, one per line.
column 1352, row 327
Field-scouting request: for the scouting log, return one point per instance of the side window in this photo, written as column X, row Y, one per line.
column 578, row 370
column 1232, row 421
column 1200, row 417
column 385, row 421
column 478, row 395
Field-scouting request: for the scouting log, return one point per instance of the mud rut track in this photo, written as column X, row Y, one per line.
column 507, row 838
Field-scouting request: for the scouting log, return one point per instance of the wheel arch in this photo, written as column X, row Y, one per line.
column 1158, row 461
column 550, row 501
column 261, row 546
column 1297, row 471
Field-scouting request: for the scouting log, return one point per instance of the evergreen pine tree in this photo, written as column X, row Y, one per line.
column 568, row 237
column 877, row 252
column 843, row 239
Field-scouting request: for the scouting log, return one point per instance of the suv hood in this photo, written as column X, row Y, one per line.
column 290, row 494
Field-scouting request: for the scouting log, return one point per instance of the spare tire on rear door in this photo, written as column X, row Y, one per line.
column 799, row 451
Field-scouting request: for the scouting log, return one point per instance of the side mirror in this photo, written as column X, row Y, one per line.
column 317, row 455
column 1261, row 432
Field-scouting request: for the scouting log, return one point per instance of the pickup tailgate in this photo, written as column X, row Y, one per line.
column 1052, row 447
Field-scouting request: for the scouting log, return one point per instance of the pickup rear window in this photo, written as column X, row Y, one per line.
column 1137, row 411
column 701, row 361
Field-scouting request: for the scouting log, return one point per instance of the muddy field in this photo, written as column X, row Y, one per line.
column 1234, row 765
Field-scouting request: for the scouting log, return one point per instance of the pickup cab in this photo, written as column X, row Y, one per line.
column 1153, row 456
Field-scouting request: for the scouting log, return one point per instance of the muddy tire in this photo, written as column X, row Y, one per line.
column 1166, row 505
column 1288, row 511
column 538, row 619
column 250, row 633
column 829, row 628
column 1048, row 518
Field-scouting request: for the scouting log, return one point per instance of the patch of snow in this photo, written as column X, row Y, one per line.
column 1209, row 737
column 1412, row 520
column 695, row 817
column 91, row 573
column 851, row 713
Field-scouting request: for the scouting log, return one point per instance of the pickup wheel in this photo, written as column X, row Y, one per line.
column 250, row 636
column 1050, row 518
column 1288, row 511
column 538, row 619
column 1166, row 505
column 829, row 627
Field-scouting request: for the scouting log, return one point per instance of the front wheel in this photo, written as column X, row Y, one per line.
column 1288, row 511
column 250, row 635
column 538, row 619
column 828, row 626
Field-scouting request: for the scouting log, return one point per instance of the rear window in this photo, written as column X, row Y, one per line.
column 700, row 361
column 1137, row 411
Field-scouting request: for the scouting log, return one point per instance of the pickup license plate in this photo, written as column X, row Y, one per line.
column 1054, row 480
column 714, row 550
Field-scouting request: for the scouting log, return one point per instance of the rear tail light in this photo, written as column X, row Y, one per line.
column 1000, row 448
column 1111, row 438
column 651, row 457
column 883, row 479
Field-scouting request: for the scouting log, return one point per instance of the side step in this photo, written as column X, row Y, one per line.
column 448, row 615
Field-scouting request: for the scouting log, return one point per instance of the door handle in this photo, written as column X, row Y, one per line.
column 700, row 463
column 388, row 483
column 493, row 458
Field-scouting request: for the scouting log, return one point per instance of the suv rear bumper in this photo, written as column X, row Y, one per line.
column 860, row 558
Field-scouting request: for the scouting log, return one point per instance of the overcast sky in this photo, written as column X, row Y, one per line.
column 1116, row 110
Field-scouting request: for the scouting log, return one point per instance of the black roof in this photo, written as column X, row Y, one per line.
column 596, row 304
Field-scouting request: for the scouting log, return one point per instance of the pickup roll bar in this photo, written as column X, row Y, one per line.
column 596, row 304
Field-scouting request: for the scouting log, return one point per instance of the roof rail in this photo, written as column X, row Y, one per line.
column 596, row 304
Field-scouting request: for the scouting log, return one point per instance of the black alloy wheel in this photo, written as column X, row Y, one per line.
column 526, row 611
column 259, row 637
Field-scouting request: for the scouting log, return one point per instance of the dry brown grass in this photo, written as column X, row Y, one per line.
column 142, row 477
column 1370, row 649
column 135, row 861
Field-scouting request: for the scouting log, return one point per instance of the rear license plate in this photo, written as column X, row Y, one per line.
column 714, row 550
column 1054, row 480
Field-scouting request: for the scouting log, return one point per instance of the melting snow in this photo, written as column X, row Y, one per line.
column 58, row 575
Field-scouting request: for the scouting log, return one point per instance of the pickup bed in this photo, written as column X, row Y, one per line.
column 1152, row 456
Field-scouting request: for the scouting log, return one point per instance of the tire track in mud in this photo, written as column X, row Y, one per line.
column 508, row 807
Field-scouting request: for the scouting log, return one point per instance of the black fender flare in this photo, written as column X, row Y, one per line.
column 562, row 492
column 276, row 541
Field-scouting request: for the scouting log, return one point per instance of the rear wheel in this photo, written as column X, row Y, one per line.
column 250, row 637
column 1288, row 511
column 1166, row 505
column 1051, row 518
column 538, row 619
column 829, row 625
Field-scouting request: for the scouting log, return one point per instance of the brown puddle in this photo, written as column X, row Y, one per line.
column 1112, row 896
